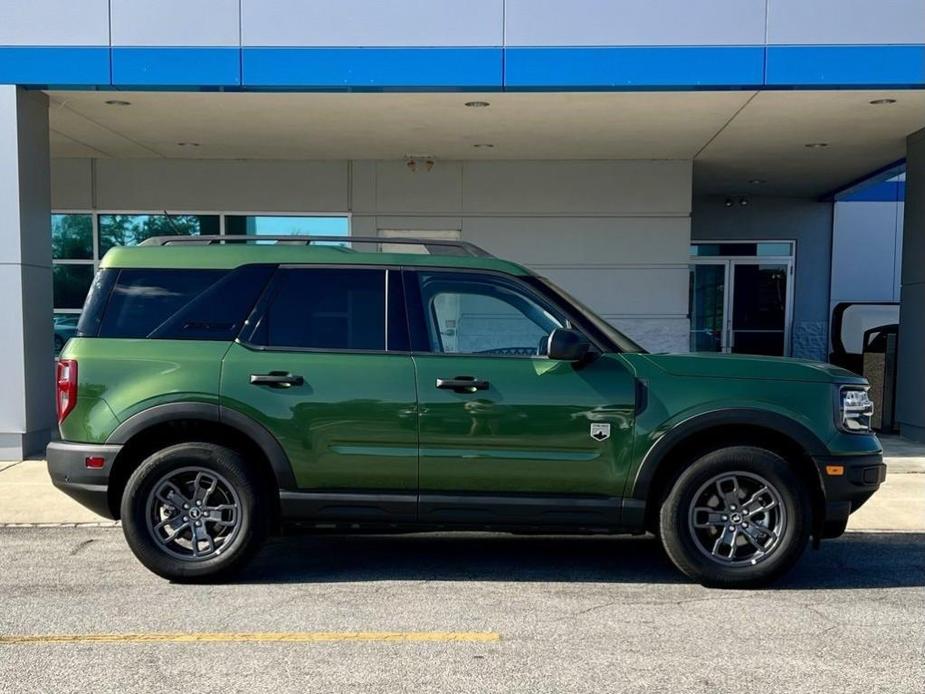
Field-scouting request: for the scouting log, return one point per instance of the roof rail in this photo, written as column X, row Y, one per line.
column 434, row 247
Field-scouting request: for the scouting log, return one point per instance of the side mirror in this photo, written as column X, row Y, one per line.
column 567, row 345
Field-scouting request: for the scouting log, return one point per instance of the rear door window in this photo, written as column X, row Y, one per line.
column 324, row 309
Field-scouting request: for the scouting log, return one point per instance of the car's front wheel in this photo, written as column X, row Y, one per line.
column 737, row 517
column 194, row 512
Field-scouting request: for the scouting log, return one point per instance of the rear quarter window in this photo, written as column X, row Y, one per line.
column 172, row 304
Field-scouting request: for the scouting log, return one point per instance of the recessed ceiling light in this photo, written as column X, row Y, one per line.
column 187, row 144
column 816, row 145
column 483, row 145
column 477, row 104
column 881, row 102
column 757, row 181
column 118, row 102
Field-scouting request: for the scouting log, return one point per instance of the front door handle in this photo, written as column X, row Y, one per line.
column 462, row 384
column 277, row 379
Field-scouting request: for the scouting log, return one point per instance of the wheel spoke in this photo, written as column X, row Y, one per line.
column 726, row 539
column 754, row 505
column 714, row 518
column 169, row 493
column 760, row 533
column 201, row 535
column 749, row 536
column 174, row 535
column 730, row 497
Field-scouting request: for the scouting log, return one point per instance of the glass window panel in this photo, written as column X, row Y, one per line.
column 142, row 300
column 483, row 315
column 773, row 248
column 65, row 327
column 286, row 225
column 706, row 302
column 132, row 229
column 72, row 236
column 71, row 284
column 326, row 309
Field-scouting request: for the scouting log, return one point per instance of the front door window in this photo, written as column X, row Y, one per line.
column 472, row 314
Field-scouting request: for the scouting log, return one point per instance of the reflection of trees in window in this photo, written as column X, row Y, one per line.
column 71, row 284
column 130, row 230
column 72, row 236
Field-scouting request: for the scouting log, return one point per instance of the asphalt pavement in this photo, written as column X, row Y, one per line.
column 457, row 613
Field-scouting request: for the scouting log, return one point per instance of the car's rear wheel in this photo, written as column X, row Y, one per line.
column 194, row 512
column 737, row 517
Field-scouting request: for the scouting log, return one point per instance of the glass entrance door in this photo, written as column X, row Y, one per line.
column 708, row 307
column 759, row 308
column 740, row 305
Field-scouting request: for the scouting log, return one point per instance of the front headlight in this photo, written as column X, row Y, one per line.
column 855, row 409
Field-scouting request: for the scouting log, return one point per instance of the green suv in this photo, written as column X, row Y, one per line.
column 217, row 390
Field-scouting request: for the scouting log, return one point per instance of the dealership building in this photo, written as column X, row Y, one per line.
column 707, row 175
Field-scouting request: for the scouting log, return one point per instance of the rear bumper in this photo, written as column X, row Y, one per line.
column 69, row 473
column 845, row 493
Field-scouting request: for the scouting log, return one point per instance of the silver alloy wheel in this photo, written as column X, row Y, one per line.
column 193, row 514
column 737, row 519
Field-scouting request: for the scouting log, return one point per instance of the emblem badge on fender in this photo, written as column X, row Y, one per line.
column 600, row 432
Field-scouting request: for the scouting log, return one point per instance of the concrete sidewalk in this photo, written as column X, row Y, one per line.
column 28, row 497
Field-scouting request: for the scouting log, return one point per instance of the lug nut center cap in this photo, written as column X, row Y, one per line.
column 736, row 518
column 194, row 513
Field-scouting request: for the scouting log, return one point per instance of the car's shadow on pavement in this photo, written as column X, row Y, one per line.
column 857, row 560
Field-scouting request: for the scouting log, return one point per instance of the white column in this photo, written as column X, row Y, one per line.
column 910, row 397
column 26, row 337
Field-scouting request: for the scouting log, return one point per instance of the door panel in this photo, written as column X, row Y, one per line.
column 529, row 431
column 516, row 446
column 312, row 367
column 351, row 424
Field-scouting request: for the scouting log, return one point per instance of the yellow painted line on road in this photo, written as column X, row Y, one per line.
column 257, row 637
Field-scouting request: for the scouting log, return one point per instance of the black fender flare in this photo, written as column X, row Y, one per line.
column 209, row 412
column 764, row 419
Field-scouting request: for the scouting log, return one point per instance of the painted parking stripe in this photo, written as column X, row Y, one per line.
column 254, row 637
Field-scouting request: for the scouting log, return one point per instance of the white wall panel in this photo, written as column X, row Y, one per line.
column 175, row 23
column 372, row 23
column 400, row 190
column 634, row 23
column 864, row 252
column 54, row 23
column 846, row 21
column 184, row 184
column 578, row 187
column 583, row 241
column 627, row 291
column 72, row 184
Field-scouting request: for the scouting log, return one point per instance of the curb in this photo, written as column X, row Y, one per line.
column 101, row 524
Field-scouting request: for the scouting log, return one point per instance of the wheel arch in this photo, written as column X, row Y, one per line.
column 694, row 437
column 167, row 424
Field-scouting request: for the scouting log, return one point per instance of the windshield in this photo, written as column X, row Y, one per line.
column 623, row 343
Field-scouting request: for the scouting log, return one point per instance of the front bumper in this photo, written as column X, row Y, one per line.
column 846, row 492
column 69, row 473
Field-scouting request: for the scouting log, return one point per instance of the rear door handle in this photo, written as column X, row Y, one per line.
column 277, row 379
column 462, row 384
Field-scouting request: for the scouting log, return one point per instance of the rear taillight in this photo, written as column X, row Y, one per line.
column 65, row 387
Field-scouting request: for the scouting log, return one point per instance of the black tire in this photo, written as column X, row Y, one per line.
column 169, row 560
column 679, row 532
